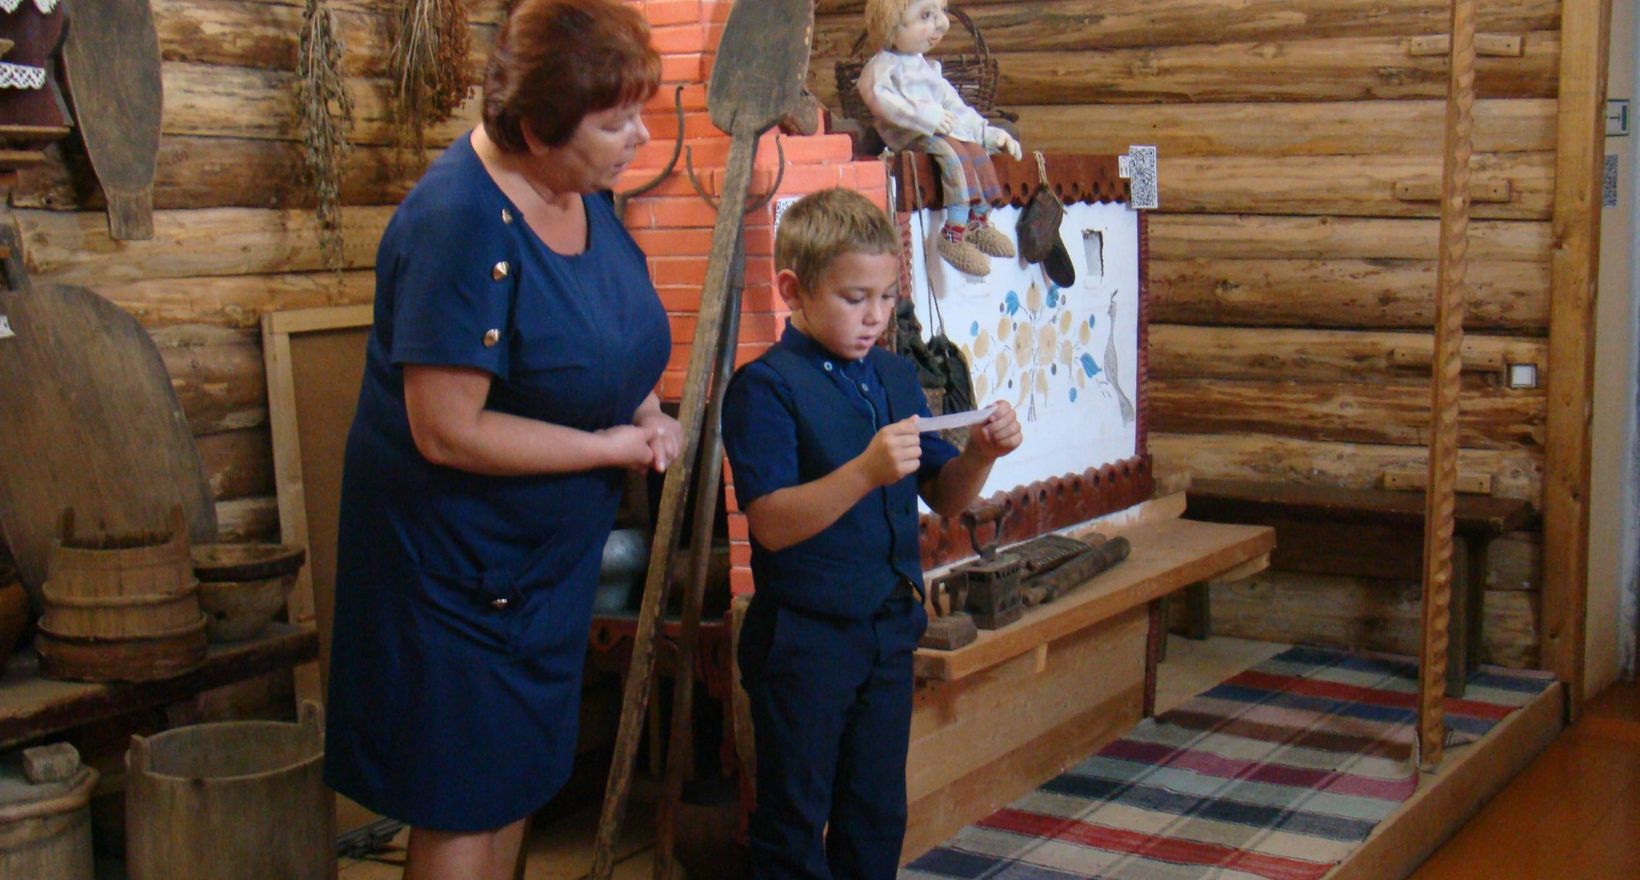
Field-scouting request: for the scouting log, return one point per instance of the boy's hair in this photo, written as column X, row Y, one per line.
column 824, row 225
column 882, row 20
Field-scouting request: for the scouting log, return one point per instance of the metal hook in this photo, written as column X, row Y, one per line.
column 760, row 201
column 671, row 164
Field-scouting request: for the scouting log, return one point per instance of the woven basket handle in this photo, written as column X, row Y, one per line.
column 954, row 12
column 979, row 39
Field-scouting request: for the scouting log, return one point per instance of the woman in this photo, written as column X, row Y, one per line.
column 508, row 382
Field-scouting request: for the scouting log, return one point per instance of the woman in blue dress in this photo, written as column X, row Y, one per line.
column 509, row 381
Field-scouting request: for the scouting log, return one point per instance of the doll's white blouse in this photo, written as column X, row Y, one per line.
column 908, row 95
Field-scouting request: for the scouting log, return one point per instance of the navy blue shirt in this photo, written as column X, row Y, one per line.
column 765, row 421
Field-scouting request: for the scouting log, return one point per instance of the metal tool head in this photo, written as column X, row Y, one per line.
column 761, row 64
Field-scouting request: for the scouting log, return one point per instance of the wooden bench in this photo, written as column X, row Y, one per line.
column 995, row 718
column 1385, row 540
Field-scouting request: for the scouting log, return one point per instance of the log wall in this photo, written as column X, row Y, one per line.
column 1292, row 258
column 1290, row 268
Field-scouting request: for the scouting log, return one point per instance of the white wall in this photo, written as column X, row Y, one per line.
column 1614, row 498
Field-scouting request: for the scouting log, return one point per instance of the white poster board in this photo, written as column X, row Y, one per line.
column 1066, row 358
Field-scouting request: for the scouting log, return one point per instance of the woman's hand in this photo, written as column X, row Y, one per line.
column 627, row 446
column 665, row 436
column 999, row 435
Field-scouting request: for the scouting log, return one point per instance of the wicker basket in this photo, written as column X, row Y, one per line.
column 974, row 77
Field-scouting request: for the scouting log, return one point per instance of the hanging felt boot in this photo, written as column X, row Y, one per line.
column 959, row 253
column 987, row 238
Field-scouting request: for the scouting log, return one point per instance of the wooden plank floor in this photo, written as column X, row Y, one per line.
column 1574, row 812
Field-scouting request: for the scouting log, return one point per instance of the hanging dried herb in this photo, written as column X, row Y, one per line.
column 428, row 63
column 326, row 112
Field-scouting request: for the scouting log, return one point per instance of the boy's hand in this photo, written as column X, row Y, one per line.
column 894, row 452
column 999, row 435
column 628, row 446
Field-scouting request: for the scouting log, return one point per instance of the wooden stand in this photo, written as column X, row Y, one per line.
column 996, row 718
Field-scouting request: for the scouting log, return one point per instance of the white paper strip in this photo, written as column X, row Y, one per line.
column 955, row 420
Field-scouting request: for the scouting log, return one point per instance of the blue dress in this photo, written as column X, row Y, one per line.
column 463, row 601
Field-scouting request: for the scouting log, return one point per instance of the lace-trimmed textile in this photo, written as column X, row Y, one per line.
column 21, row 76
column 45, row 6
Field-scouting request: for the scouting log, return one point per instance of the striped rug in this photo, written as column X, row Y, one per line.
column 1279, row 772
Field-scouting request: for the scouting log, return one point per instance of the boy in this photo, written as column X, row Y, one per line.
column 822, row 437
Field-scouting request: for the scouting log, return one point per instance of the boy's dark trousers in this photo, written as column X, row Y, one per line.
column 831, row 705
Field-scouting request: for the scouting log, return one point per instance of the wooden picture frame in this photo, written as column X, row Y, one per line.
column 315, row 362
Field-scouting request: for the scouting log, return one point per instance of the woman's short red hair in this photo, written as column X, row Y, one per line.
column 555, row 61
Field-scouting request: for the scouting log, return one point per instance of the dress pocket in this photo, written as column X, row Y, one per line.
column 483, row 612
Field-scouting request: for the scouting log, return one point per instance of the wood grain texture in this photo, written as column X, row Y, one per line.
column 1578, row 172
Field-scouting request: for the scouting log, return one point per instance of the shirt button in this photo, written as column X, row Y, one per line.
column 828, row 366
column 500, row 603
column 500, row 271
column 491, row 337
column 864, row 387
column 506, row 216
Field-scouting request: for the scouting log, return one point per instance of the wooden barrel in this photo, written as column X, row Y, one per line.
column 234, row 800
column 107, row 566
column 121, row 607
column 45, row 824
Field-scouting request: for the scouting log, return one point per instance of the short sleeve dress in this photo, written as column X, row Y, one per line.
column 463, row 601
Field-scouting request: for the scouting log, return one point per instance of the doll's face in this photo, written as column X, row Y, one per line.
column 921, row 27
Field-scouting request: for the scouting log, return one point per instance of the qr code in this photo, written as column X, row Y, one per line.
column 1608, row 183
column 1141, row 172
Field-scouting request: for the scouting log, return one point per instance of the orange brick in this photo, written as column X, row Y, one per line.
column 665, row 99
column 679, row 300
column 671, row 387
column 759, row 242
column 660, row 12
column 674, row 242
column 682, row 68
column 740, row 553
column 673, row 212
column 870, row 175
column 747, row 352
column 759, row 298
column 664, row 126
column 759, row 327
column 740, row 581
column 673, row 271
column 683, row 326
column 729, row 500
column 804, row 179
column 739, row 529
column 678, row 39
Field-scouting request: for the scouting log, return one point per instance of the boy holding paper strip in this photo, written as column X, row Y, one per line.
column 822, row 437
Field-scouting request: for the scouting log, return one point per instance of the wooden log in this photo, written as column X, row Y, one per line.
column 1518, row 472
column 1579, row 168
column 1380, row 615
column 1345, row 185
column 1244, row 236
column 238, row 464
column 1336, row 69
column 219, row 172
column 75, row 247
column 216, row 101
column 218, row 376
column 478, row 11
column 1297, row 129
column 1060, row 25
column 236, row 301
column 1370, row 293
column 248, row 520
column 1341, row 412
column 259, row 34
column 1185, row 352
column 1514, row 561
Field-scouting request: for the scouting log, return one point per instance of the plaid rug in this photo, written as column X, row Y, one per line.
column 1279, row 772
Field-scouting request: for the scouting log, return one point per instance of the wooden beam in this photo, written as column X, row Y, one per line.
column 1585, row 26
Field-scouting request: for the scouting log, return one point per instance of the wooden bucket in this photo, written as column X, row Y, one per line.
column 45, row 825
column 108, row 566
column 121, row 607
column 234, row 800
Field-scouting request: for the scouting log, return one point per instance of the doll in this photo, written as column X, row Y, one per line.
column 916, row 109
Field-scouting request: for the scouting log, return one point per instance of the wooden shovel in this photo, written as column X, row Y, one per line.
column 112, row 59
column 757, row 80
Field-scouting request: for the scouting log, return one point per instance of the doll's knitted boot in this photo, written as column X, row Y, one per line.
column 988, row 239
column 960, row 253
